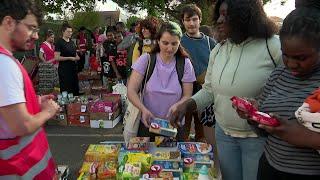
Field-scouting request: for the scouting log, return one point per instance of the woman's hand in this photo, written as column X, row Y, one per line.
column 176, row 113
column 146, row 117
column 289, row 131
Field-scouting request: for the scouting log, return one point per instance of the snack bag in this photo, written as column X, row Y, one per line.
column 108, row 170
column 254, row 114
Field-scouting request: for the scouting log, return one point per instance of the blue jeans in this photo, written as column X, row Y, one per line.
column 239, row 157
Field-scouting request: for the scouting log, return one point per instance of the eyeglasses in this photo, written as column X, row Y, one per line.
column 31, row 28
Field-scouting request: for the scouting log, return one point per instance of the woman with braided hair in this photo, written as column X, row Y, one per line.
column 290, row 151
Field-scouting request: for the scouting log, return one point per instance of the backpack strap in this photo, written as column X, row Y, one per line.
column 208, row 40
column 151, row 65
column 180, row 62
column 140, row 43
column 273, row 61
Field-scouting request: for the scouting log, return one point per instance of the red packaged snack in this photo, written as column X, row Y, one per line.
column 259, row 117
column 263, row 118
column 243, row 104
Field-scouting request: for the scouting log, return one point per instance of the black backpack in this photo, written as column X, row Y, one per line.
column 180, row 62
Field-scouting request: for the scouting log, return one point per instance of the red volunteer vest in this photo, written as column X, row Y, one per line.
column 26, row 157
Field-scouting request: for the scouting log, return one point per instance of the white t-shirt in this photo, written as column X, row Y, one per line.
column 11, row 89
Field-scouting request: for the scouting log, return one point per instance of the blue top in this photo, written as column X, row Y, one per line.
column 199, row 50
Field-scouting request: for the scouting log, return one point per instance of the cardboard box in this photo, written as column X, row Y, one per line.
column 60, row 119
column 79, row 120
column 105, row 116
column 109, row 104
column 77, row 109
column 104, row 124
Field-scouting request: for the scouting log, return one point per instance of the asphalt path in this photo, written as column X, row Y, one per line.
column 68, row 144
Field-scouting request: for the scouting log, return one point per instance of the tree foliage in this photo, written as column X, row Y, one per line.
column 60, row 6
column 89, row 19
column 168, row 8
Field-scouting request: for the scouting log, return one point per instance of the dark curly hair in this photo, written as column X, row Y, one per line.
column 171, row 28
column 246, row 18
column 190, row 10
column 308, row 3
column 19, row 9
column 152, row 24
column 304, row 23
column 65, row 26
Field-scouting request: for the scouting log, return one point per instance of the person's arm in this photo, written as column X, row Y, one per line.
column 134, row 85
column 57, row 57
column 133, row 96
column 204, row 97
column 187, row 93
column 41, row 56
column 21, row 122
column 294, row 133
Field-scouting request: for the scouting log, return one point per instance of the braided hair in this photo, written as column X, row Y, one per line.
column 304, row 23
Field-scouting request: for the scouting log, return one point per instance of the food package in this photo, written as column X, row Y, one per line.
column 140, row 157
column 162, row 127
column 254, row 114
column 139, row 143
column 162, row 141
column 167, row 155
column 102, row 153
column 87, row 176
column 263, row 118
column 195, row 148
column 243, row 104
column 107, row 170
column 89, row 167
column 132, row 170
column 173, row 165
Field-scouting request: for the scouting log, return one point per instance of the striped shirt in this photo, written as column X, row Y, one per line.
column 283, row 94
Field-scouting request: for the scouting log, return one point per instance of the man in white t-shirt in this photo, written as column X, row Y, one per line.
column 14, row 119
column 24, row 150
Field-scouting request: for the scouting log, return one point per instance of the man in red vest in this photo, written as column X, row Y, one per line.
column 24, row 149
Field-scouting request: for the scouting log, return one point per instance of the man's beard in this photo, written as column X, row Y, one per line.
column 19, row 45
column 22, row 46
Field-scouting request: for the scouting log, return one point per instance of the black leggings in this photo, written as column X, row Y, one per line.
column 267, row 172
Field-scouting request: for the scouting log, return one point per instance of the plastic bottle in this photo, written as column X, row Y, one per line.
column 203, row 173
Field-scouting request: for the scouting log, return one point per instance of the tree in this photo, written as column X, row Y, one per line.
column 60, row 6
column 168, row 8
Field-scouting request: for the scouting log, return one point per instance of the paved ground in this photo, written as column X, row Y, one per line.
column 68, row 144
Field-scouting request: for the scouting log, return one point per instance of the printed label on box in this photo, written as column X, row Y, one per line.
column 82, row 120
column 61, row 116
column 83, row 108
column 107, row 109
